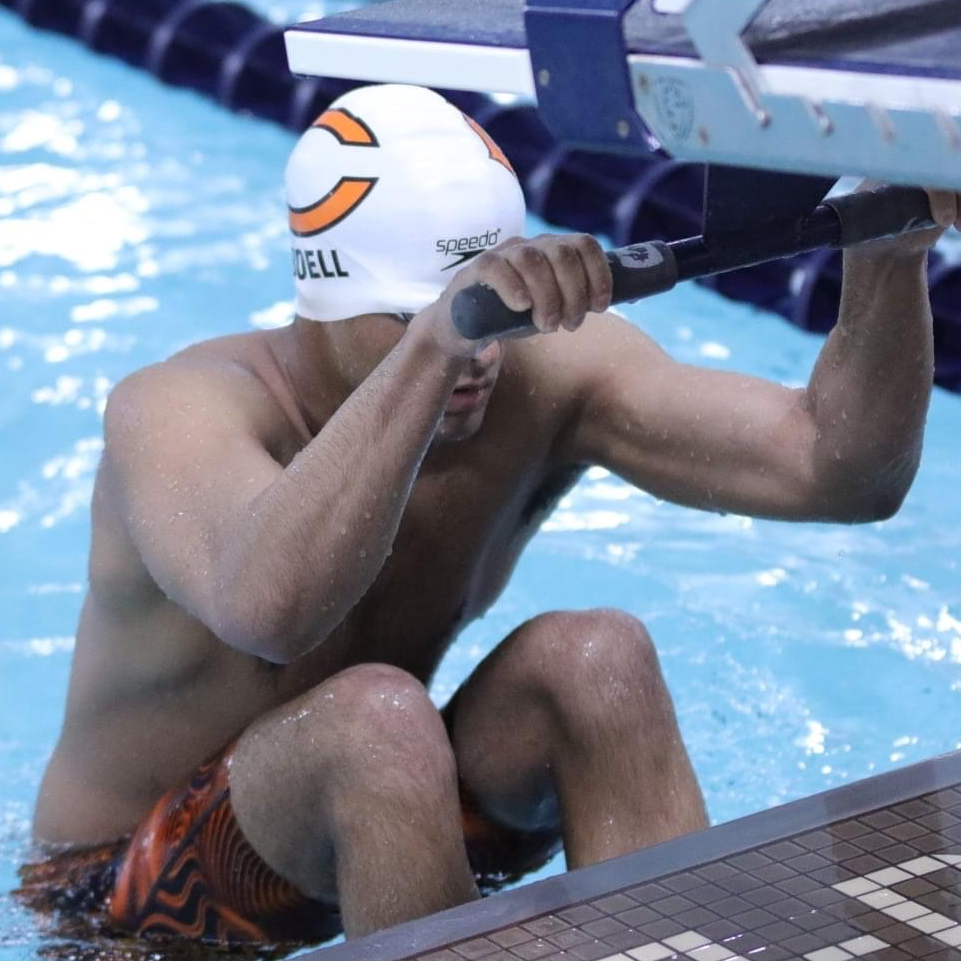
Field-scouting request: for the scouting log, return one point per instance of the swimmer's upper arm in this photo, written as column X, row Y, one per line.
column 184, row 443
column 705, row 438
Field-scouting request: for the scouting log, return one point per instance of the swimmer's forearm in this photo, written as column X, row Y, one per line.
column 871, row 385
column 316, row 539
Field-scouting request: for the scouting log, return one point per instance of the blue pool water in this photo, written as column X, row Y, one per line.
column 135, row 219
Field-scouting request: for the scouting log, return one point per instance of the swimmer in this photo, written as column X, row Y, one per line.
column 291, row 527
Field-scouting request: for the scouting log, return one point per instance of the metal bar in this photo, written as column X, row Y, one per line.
column 642, row 270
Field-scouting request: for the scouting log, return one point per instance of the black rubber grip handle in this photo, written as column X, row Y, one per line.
column 637, row 271
column 881, row 212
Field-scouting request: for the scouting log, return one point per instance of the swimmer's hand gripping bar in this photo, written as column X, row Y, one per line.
column 643, row 270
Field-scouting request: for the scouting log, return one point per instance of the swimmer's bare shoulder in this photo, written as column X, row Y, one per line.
column 187, row 442
column 215, row 386
column 566, row 372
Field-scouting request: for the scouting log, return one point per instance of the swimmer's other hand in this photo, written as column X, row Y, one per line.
column 558, row 277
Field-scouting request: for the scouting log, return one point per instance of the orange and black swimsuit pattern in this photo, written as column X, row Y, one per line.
column 188, row 872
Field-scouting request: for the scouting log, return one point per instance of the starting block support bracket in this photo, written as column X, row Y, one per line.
column 579, row 64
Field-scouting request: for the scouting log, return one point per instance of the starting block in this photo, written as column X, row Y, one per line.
column 819, row 87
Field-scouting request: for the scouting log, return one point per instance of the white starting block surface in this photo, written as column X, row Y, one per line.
column 831, row 87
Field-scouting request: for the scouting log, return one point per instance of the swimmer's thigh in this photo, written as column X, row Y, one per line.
column 356, row 770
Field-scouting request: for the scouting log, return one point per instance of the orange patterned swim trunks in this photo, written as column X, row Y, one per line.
column 188, row 872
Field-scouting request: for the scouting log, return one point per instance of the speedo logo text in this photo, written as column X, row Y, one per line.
column 465, row 248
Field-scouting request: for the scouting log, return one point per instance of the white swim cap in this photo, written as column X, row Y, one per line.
column 390, row 191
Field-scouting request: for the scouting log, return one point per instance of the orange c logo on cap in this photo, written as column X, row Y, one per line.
column 331, row 209
column 347, row 128
column 495, row 152
column 349, row 192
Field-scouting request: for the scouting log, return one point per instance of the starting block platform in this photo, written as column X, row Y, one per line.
column 870, row 870
column 825, row 87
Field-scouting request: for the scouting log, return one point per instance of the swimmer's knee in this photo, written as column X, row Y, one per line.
column 595, row 666
column 367, row 717
column 380, row 728
column 381, row 701
column 364, row 750
column 366, row 686
column 566, row 644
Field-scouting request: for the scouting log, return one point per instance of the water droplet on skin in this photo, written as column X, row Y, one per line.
column 343, row 532
column 299, row 716
column 363, row 553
